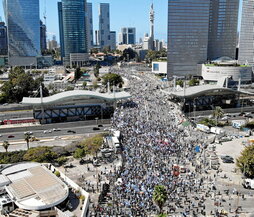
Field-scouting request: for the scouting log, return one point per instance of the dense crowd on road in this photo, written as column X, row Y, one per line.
column 154, row 142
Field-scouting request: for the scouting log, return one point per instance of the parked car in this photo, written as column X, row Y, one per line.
column 11, row 136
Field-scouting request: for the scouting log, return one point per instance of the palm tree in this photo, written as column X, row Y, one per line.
column 160, row 196
column 27, row 138
column 218, row 113
column 6, row 145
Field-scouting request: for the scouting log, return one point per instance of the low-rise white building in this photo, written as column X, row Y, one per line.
column 223, row 67
column 159, row 67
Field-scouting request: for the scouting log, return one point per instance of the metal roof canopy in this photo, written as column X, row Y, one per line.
column 75, row 94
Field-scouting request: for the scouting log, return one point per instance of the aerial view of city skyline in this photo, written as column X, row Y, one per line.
column 123, row 13
column 128, row 108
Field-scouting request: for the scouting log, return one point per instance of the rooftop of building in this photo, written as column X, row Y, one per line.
column 33, row 187
column 225, row 61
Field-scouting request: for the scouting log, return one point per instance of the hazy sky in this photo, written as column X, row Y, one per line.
column 124, row 13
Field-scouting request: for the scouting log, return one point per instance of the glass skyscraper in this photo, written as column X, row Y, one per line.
column 3, row 39
column 104, row 25
column 73, row 28
column 188, row 22
column 223, row 28
column 246, row 41
column 90, row 25
column 23, row 22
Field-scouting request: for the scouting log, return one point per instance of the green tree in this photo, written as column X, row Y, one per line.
column 246, row 161
column 79, row 153
column 160, row 196
column 40, row 154
column 27, row 138
column 129, row 54
column 69, row 88
column 19, row 85
column 92, row 144
column 97, row 70
column 153, row 55
column 6, row 145
column 180, row 83
column 218, row 113
column 193, row 82
column 84, row 85
column 77, row 74
column 113, row 79
column 95, row 85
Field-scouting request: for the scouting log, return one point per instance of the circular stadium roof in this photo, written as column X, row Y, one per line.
column 33, row 187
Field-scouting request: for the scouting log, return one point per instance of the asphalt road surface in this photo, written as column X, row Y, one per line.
column 46, row 131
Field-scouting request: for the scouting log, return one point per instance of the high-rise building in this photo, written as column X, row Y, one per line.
column 43, row 36
column 104, row 25
column 127, row 35
column 52, row 44
column 246, row 41
column 74, row 27
column 23, row 26
column 152, row 25
column 3, row 39
column 188, row 22
column 112, row 44
column 61, row 33
column 222, row 39
column 90, row 43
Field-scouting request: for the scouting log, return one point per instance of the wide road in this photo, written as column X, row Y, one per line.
column 46, row 131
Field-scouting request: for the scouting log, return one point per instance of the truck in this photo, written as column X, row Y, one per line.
column 248, row 183
column 217, row 131
column 116, row 143
column 203, row 128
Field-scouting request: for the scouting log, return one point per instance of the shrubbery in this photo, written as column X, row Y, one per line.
column 12, row 157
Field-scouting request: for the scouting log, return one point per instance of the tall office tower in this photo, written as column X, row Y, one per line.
column 127, row 35
column 90, row 43
column 112, row 44
column 246, row 42
column 73, row 28
column 43, row 36
column 188, row 22
column 222, row 38
column 104, row 25
column 152, row 25
column 61, row 33
column 23, row 26
column 3, row 39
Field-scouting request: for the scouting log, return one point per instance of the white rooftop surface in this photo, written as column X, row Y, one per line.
column 4, row 180
column 75, row 94
column 34, row 187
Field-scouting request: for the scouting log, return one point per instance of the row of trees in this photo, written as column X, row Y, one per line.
column 20, row 84
column 153, row 55
column 27, row 138
column 192, row 82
